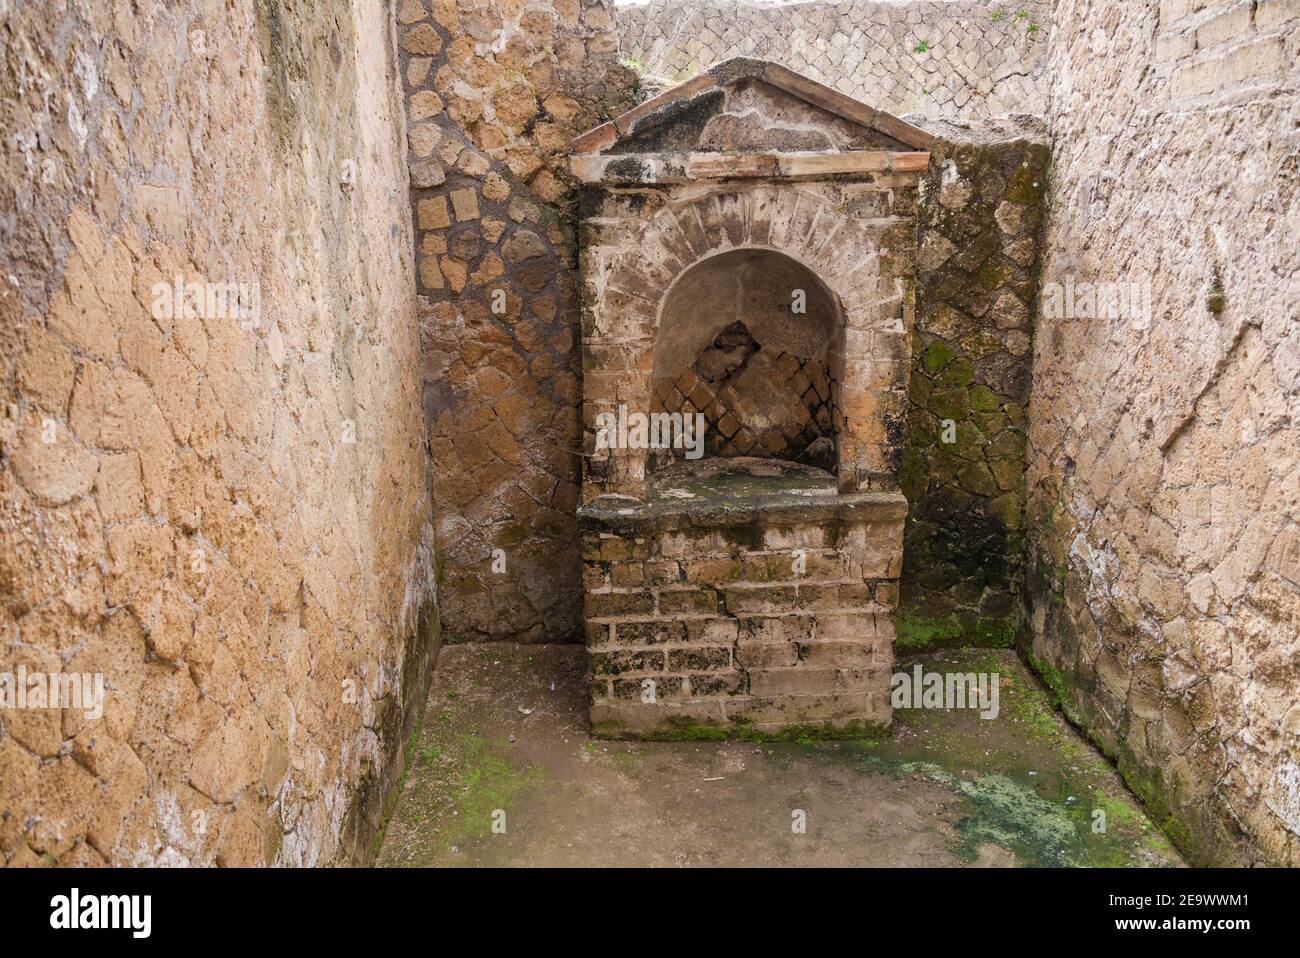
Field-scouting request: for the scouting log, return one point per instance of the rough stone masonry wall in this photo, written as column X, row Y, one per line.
column 231, row 523
column 1165, row 455
column 964, row 470
column 495, row 89
column 938, row 58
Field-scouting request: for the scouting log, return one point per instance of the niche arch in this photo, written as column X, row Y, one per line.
column 752, row 339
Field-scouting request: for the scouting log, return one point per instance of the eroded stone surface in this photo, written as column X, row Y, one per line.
column 1164, row 473
column 226, row 515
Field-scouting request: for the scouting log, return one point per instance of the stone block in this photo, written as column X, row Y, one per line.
column 699, row 659
column 664, row 688
column 802, row 680
column 1229, row 25
column 717, row 684
column 657, row 632
column 758, row 656
column 748, row 599
column 465, row 204
column 836, row 655
column 1270, row 14
column 616, row 662
column 602, row 605
column 688, row 601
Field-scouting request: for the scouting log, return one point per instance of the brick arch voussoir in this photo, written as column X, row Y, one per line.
column 831, row 244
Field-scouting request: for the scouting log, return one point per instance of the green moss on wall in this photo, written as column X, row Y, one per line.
column 964, row 460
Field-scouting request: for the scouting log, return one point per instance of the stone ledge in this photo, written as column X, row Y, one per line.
column 625, row 516
column 670, row 168
column 635, row 618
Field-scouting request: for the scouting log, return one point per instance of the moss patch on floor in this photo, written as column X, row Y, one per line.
column 1027, row 782
column 917, row 632
column 458, row 786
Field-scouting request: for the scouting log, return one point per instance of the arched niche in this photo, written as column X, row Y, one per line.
column 753, row 340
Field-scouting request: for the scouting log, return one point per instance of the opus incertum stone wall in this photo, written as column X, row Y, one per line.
column 1164, row 444
column 494, row 91
column 223, row 508
column 980, row 223
column 936, row 58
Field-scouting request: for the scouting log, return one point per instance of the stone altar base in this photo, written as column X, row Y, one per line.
column 743, row 595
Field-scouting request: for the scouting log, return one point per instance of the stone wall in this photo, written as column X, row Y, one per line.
column 223, row 509
column 494, row 92
column 964, row 470
column 1165, row 444
column 938, row 58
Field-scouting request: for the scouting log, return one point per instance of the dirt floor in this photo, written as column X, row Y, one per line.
column 504, row 773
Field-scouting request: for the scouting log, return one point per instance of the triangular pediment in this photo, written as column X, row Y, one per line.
column 750, row 106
